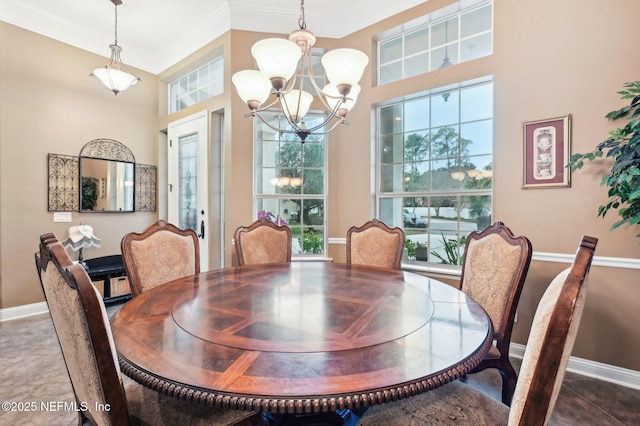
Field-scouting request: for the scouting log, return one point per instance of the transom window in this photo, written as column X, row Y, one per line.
column 441, row 42
column 197, row 86
column 435, row 169
column 290, row 182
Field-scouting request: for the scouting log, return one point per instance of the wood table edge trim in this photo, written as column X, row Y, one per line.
column 309, row 405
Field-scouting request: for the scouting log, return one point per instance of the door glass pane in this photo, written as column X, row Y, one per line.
column 188, row 180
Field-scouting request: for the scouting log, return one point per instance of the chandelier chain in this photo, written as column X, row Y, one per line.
column 301, row 21
column 116, row 26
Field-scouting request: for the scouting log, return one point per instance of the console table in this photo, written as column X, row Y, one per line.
column 109, row 269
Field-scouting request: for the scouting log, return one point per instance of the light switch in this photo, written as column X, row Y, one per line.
column 62, row 216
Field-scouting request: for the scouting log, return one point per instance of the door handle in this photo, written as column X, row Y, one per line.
column 201, row 234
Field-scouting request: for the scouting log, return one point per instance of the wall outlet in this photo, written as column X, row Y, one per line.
column 62, row 216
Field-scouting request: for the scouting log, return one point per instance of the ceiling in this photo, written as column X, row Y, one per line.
column 157, row 34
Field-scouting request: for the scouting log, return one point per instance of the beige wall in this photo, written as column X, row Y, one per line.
column 550, row 59
column 49, row 104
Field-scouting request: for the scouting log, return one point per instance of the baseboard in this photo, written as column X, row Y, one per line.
column 597, row 370
column 23, row 311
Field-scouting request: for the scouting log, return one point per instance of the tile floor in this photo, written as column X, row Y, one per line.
column 33, row 372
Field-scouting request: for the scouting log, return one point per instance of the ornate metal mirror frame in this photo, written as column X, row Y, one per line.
column 64, row 176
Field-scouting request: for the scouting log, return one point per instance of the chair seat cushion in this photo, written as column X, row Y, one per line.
column 148, row 407
column 452, row 404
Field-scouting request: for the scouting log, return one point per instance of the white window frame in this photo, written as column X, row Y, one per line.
column 454, row 11
column 380, row 195
column 196, row 89
column 286, row 196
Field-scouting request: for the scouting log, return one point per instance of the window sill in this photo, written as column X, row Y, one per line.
column 303, row 258
column 454, row 272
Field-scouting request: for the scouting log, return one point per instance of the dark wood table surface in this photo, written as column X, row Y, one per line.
column 301, row 337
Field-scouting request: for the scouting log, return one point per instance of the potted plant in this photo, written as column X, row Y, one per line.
column 452, row 250
column 410, row 249
column 623, row 146
column 422, row 251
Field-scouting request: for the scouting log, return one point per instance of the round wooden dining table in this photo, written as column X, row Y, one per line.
column 300, row 337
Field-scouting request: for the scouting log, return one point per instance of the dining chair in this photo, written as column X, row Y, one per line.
column 262, row 242
column 494, row 269
column 82, row 326
column 553, row 333
column 375, row 244
column 161, row 253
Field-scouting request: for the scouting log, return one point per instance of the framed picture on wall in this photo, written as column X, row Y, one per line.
column 546, row 151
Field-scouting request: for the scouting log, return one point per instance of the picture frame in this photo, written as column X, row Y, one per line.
column 546, row 151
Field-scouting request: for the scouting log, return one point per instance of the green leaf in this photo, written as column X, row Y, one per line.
column 623, row 147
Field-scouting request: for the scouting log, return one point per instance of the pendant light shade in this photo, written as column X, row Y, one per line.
column 297, row 104
column 253, row 86
column 276, row 57
column 344, row 66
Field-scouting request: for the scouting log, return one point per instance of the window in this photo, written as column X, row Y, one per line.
column 435, row 169
column 197, row 86
column 440, row 43
column 290, row 182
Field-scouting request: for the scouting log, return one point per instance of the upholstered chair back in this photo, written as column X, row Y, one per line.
column 553, row 334
column 375, row 244
column 263, row 242
column 493, row 273
column 494, row 269
column 161, row 253
column 85, row 340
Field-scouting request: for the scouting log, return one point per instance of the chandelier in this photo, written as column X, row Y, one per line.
column 115, row 76
column 279, row 75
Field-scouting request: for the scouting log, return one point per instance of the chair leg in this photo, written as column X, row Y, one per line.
column 509, row 379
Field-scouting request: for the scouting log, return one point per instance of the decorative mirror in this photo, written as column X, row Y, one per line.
column 105, row 178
